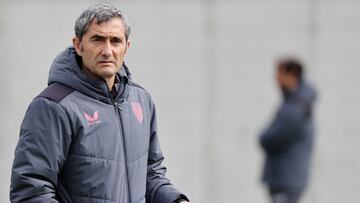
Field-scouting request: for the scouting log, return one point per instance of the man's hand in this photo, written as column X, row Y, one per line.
column 182, row 200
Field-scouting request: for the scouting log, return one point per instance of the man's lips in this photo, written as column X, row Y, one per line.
column 106, row 62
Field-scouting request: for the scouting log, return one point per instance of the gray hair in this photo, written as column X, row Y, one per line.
column 99, row 13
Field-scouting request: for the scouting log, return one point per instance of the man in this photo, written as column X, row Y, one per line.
column 91, row 135
column 288, row 141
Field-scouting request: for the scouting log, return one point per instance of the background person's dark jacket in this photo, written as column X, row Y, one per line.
column 78, row 144
column 288, row 141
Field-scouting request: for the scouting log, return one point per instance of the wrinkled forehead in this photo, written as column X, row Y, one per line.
column 113, row 27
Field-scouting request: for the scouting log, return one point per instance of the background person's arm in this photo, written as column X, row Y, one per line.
column 286, row 126
column 40, row 153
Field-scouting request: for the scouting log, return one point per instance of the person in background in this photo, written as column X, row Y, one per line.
column 288, row 141
column 91, row 135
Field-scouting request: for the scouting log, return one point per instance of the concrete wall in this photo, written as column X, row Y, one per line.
column 209, row 67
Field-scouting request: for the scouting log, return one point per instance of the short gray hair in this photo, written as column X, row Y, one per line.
column 99, row 13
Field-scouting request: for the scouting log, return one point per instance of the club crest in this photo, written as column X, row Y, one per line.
column 136, row 108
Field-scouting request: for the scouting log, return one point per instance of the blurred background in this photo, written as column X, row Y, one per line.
column 209, row 65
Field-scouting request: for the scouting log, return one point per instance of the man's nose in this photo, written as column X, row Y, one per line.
column 106, row 50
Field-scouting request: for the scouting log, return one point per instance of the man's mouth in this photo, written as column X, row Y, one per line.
column 106, row 62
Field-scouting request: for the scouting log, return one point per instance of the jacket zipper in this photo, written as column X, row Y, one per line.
column 118, row 112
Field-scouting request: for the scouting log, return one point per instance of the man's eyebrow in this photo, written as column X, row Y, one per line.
column 96, row 36
column 116, row 38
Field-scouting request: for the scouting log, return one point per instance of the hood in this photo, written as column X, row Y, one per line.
column 304, row 93
column 66, row 70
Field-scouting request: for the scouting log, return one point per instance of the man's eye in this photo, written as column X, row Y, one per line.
column 116, row 41
column 96, row 39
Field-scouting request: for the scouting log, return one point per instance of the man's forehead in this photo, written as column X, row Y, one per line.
column 113, row 27
column 106, row 33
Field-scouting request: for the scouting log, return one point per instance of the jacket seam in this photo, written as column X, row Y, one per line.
column 94, row 197
column 49, row 98
column 105, row 159
column 99, row 158
column 138, row 158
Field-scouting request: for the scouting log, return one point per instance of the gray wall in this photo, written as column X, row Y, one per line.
column 209, row 66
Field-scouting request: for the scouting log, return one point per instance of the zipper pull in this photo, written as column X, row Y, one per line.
column 118, row 106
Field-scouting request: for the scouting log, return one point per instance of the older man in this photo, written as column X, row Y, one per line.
column 91, row 135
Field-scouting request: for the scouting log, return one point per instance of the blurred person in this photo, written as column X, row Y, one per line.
column 288, row 141
column 91, row 135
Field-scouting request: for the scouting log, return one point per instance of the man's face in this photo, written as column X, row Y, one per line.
column 281, row 78
column 285, row 80
column 103, row 48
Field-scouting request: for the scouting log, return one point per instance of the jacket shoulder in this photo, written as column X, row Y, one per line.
column 139, row 87
column 133, row 84
column 145, row 94
column 56, row 92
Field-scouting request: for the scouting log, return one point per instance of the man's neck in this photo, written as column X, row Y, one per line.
column 292, row 87
column 109, row 80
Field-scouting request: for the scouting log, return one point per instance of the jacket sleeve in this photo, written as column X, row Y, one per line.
column 158, row 187
column 40, row 153
column 286, row 126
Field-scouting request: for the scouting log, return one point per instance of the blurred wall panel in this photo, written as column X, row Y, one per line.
column 7, row 118
column 337, row 75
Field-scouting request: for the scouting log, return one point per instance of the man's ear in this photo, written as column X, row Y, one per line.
column 127, row 46
column 77, row 46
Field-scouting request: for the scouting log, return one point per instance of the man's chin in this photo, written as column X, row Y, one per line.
column 107, row 71
column 107, row 75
